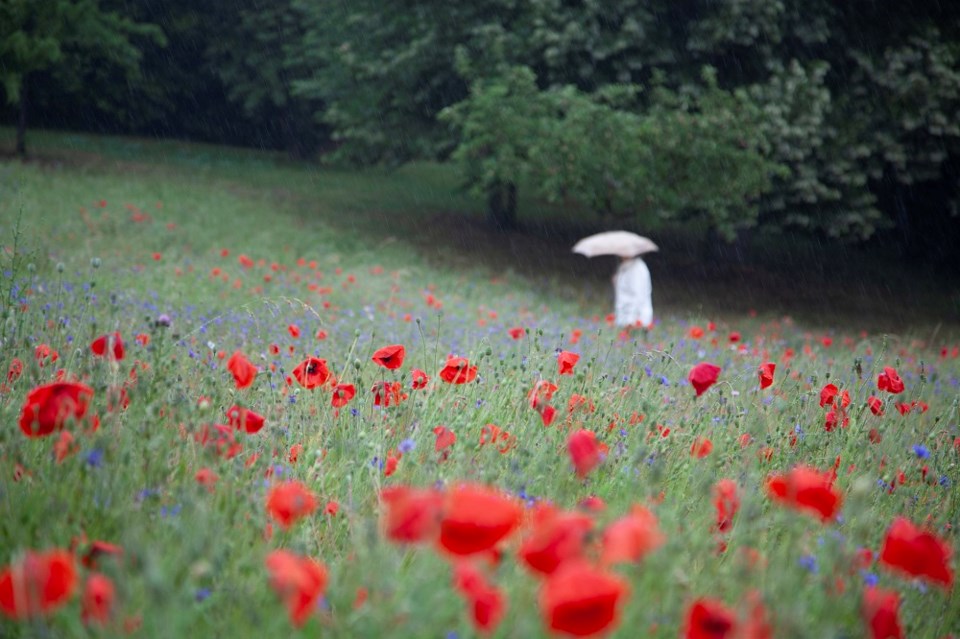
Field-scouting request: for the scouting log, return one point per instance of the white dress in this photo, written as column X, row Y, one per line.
column 633, row 291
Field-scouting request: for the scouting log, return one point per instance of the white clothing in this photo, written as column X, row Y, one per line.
column 633, row 291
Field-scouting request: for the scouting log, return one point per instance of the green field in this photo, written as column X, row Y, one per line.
column 193, row 253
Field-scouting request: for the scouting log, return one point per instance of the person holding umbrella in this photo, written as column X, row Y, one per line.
column 633, row 289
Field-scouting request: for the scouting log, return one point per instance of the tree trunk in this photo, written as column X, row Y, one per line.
column 22, row 120
column 719, row 250
column 502, row 205
column 293, row 141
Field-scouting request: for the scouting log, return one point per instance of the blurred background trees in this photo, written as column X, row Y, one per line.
column 836, row 118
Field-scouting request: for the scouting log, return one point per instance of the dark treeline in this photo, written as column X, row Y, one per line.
column 835, row 118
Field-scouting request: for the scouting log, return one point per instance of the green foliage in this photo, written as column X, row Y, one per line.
column 694, row 155
column 501, row 124
column 385, row 70
column 258, row 66
column 36, row 35
column 826, row 186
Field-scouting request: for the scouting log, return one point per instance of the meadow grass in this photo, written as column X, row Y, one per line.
column 145, row 240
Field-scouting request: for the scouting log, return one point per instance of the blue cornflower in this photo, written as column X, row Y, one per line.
column 921, row 451
column 147, row 492
column 869, row 579
column 172, row 511
column 809, row 562
column 94, row 458
column 407, row 445
column 201, row 594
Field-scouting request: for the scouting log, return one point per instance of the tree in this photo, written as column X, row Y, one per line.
column 384, row 70
column 258, row 64
column 857, row 99
column 682, row 157
column 38, row 35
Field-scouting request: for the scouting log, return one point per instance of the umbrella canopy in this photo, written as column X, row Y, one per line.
column 622, row 243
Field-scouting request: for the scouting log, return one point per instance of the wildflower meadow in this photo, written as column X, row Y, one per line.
column 226, row 417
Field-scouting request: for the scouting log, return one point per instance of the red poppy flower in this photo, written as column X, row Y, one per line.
column 290, row 501
column 445, row 438
column 391, row 463
column 390, row 466
column 65, row 446
column 585, row 452
column 493, row 434
column 875, row 404
column 245, row 419
column 475, row 518
column 703, row 376
column 50, row 406
column 98, row 599
column 581, row 600
column 97, row 550
column 342, row 394
column 458, row 370
column 632, row 537
column 756, row 625
column 890, row 381
column 244, row 372
column 45, row 355
column 387, row 393
column 555, row 537
column 881, row 611
column 15, row 370
column 701, row 447
column 566, row 361
column 225, row 443
column 420, row 379
column 39, row 584
column 577, row 401
column 108, row 346
column 299, row 581
column 516, row 332
column 835, row 417
column 806, row 489
column 709, row 619
column 206, row 477
column 390, row 356
column 487, row 604
column 294, row 331
column 695, row 332
column 765, row 373
column 726, row 501
column 312, row 372
column 917, row 552
column 593, row 504
column 411, row 515
column 827, row 394
column 539, row 399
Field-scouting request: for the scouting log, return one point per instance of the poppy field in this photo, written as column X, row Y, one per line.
column 225, row 419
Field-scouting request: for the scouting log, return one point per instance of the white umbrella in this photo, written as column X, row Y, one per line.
column 622, row 243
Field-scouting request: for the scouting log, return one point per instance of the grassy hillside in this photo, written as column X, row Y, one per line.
column 250, row 463
column 422, row 208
